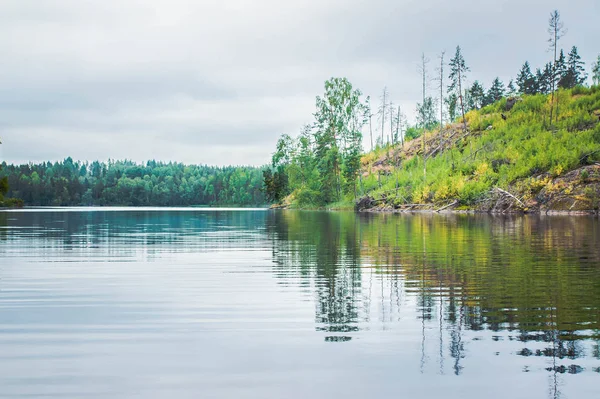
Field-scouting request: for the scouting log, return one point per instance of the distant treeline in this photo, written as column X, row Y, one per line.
column 71, row 183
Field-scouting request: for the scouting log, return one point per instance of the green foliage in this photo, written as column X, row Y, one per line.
column 426, row 114
column 458, row 70
column 526, row 80
column 511, row 150
column 495, row 93
column 412, row 133
column 321, row 166
column 72, row 183
column 476, row 96
column 452, row 105
column 3, row 187
column 573, row 73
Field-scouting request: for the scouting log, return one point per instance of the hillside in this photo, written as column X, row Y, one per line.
column 510, row 158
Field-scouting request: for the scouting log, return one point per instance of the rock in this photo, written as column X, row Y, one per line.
column 363, row 203
column 511, row 101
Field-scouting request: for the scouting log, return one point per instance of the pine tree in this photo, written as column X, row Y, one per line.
column 476, row 96
column 561, row 71
column 458, row 69
column 526, row 80
column 539, row 81
column 575, row 74
column 452, row 104
column 496, row 91
column 510, row 89
column 596, row 71
column 544, row 79
column 426, row 113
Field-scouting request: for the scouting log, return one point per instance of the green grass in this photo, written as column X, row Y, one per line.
column 515, row 149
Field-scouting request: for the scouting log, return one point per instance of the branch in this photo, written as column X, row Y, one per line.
column 447, row 206
column 510, row 195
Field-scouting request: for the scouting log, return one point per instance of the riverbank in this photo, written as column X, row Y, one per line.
column 509, row 159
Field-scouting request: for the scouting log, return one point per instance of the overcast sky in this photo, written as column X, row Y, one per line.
column 217, row 82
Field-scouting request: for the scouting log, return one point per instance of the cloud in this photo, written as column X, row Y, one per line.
column 219, row 81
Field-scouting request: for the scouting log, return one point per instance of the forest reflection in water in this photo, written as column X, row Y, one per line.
column 533, row 280
column 386, row 300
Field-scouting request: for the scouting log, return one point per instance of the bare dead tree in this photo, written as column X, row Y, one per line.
column 399, row 127
column 423, row 72
column 382, row 111
column 441, row 87
column 371, row 129
column 556, row 31
column 391, row 108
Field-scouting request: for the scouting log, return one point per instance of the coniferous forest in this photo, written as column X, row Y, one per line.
column 71, row 183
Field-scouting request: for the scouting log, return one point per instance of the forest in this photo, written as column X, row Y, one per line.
column 71, row 183
column 324, row 164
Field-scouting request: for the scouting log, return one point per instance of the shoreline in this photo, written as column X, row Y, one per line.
column 390, row 210
column 480, row 212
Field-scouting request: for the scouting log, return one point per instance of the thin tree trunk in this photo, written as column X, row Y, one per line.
column 553, row 77
column 397, row 123
column 424, row 122
column 555, row 50
column 391, row 126
column 383, row 116
column 441, row 92
column 371, row 129
column 462, row 106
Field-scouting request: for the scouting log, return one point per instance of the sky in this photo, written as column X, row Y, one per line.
column 218, row 81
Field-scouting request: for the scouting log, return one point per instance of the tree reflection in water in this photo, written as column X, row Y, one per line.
column 529, row 279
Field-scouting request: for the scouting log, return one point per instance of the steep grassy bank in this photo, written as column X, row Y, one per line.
column 510, row 158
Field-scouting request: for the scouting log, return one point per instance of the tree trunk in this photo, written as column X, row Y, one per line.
column 397, row 123
column 371, row 130
column 553, row 77
column 462, row 105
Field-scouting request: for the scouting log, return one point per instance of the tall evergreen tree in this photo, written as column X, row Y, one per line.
column 496, row 91
column 561, row 71
column 452, row 105
column 510, row 89
column 426, row 114
column 544, row 79
column 3, row 186
column 526, row 80
column 575, row 72
column 476, row 96
column 458, row 70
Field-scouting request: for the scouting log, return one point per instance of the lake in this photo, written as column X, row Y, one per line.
column 222, row 303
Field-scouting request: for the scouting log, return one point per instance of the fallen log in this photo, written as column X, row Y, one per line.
column 510, row 195
column 447, row 206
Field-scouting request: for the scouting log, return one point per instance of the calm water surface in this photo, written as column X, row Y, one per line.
column 211, row 303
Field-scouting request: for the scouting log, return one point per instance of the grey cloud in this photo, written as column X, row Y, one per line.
column 219, row 81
